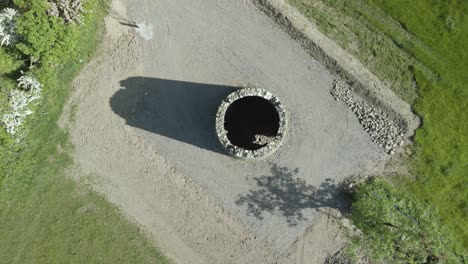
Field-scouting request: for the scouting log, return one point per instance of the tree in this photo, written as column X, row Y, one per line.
column 45, row 39
column 398, row 229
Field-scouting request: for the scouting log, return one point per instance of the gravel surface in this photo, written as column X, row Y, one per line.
column 200, row 51
column 145, row 132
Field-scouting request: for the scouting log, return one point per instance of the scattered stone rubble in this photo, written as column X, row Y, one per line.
column 383, row 130
column 272, row 143
column 69, row 10
column 262, row 140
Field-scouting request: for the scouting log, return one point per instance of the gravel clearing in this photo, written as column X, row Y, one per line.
column 144, row 133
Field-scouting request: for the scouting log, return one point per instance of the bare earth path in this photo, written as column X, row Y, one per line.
column 144, row 134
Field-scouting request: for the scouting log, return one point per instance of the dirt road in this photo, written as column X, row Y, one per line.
column 144, row 133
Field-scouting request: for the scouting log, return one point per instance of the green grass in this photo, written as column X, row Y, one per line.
column 46, row 217
column 419, row 49
column 56, row 221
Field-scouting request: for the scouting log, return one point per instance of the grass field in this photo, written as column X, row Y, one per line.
column 45, row 217
column 56, row 221
column 419, row 49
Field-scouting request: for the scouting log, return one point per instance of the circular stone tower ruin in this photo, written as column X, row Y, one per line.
column 251, row 123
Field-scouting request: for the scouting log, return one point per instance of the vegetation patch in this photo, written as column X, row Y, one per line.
column 45, row 216
column 396, row 228
column 417, row 49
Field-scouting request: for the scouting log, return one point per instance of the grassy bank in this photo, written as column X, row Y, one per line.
column 46, row 217
column 417, row 48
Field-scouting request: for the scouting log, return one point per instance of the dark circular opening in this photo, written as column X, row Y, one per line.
column 251, row 122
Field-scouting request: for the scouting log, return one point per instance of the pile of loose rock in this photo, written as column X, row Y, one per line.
column 263, row 140
column 69, row 10
column 382, row 129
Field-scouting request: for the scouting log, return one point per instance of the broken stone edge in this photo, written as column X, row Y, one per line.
column 246, row 154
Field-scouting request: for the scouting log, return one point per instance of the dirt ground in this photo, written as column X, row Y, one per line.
column 140, row 119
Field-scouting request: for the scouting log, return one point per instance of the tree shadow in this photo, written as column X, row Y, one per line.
column 183, row 111
column 121, row 19
column 283, row 192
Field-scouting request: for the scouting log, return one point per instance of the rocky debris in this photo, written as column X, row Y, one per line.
column 273, row 142
column 383, row 130
column 69, row 10
column 263, row 140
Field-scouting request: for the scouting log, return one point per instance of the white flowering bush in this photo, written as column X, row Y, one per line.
column 19, row 101
column 8, row 34
column 29, row 83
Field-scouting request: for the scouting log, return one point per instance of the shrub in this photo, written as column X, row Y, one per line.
column 8, row 34
column 9, row 62
column 397, row 228
column 19, row 103
column 45, row 39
